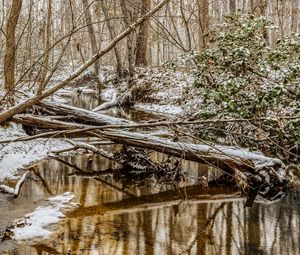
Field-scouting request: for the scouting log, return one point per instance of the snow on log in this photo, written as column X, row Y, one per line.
column 107, row 105
column 82, row 115
column 253, row 161
column 45, row 122
column 266, row 176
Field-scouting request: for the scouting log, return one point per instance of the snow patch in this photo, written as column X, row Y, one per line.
column 35, row 224
column 109, row 93
column 16, row 155
column 168, row 108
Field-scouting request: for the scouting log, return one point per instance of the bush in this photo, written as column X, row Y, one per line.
column 241, row 75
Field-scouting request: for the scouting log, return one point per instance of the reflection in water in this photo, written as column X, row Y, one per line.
column 155, row 221
column 87, row 101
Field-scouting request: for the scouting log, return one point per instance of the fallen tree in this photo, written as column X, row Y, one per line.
column 252, row 170
column 82, row 115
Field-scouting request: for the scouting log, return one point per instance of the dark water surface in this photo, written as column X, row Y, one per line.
column 115, row 218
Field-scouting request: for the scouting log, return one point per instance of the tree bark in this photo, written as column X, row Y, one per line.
column 112, row 35
column 11, row 49
column 82, row 115
column 203, row 16
column 129, row 40
column 91, row 31
column 45, row 66
column 232, row 6
column 142, row 38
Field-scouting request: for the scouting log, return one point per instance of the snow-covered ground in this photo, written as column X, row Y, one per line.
column 35, row 224
column 167, row 87
column 16, row 155
column 158, row 108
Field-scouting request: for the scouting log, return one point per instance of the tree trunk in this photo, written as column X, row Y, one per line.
column 142, row 38
column 294, row 16
column 203, row 16
column 112, row 35
column 91, row 31
column 82, row 115
column 11, row 49
column 45, row 66
column 128, row 19
column 232, row 6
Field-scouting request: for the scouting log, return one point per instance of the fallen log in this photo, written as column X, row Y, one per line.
column 194, row 152
column 227, row 158
column 82, row 115
column 123, row 100
column 252, row 170
column 202, row 154
column 45, row 122
column 267, row 176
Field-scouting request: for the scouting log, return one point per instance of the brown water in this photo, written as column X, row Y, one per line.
column 152, row 219
column 155, row 218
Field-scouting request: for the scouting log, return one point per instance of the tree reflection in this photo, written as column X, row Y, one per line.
column 153, row 220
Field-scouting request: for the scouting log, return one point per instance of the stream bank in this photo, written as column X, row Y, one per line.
column 113, row 216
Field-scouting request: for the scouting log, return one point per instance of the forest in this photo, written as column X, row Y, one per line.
column 150, row 127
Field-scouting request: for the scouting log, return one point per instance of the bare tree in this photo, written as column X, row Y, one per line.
column 112, row 35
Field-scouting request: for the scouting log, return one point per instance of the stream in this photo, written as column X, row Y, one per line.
column 115, row 216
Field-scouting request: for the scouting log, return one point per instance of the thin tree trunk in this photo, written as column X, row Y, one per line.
column 45, row 67
column 232, row 6
column 91, row 32
column 112, row 35
column 130, row 53
column 294, row 16
column 11, row 48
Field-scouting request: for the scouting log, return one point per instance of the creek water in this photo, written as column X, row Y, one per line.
column 117, row 217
